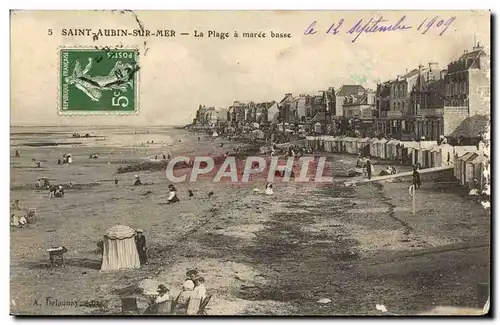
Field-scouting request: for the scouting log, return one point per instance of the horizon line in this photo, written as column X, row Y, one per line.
column 99, row 125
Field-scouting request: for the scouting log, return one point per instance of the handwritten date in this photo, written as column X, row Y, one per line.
column 381, row 25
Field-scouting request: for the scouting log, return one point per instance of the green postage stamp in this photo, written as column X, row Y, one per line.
column 98, row 81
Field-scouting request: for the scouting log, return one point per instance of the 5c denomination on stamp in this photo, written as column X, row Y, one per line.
column 98, row 81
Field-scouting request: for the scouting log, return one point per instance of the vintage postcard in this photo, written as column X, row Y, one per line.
column 206, row 163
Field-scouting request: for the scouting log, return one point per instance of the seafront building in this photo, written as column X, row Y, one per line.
column 424, row 103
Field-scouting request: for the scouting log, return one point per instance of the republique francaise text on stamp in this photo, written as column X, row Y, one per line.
column 98, row 81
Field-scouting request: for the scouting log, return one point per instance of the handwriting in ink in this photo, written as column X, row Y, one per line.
column 374, row 26
column 436, row 22
column 310, row 30
column 335, row 29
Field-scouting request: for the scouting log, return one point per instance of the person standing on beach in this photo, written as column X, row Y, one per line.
column 416, row 177
column 369, row 168
column 140, row 242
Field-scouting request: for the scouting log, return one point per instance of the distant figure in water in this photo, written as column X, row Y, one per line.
column 17, row 153
column 168, row 157
column 172, row 196
column 38, row 164
column 180, row 140
column 59, row 161
column 116, row 181
column 269, row 189
column 210, row 194
column 164, row 157
column 156, row 157
column 222, row 145
column 137, row 180
column 199, row 138
column 190, row 192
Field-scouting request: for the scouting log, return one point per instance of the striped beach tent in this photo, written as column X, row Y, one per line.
column 119, row 249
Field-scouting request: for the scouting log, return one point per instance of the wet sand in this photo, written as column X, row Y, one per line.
column 259, row 254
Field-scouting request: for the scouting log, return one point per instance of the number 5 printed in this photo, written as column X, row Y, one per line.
column 116, row 100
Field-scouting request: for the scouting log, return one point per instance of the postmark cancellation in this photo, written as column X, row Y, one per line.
column 95, row 81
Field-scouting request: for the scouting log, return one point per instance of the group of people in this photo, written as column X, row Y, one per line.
column 165, row 157
column 172, row 191
column 193, row 289
column 56, row 191
column 21, row 221
column 389, row 170
column 67, row 158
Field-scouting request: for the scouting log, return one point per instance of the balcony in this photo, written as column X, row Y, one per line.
column 394, row 114
column 431, row 112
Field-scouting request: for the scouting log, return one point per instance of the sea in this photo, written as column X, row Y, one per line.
column 106, row 136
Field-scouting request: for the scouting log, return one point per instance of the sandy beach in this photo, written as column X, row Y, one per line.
column 272, row 255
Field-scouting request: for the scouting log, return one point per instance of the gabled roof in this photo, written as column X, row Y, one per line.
column 347, row 90
column 287, row 98
column 361, row 100
column 471, row 127
column 319, row 117
column 466, row 61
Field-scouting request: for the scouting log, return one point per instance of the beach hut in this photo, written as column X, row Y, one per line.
column 391, row 149
column 355, row 147
column 445, row 156
column 422, row 152
column 374, row 147
column 259, row 134
column 338, row 143
column 462, row 150
column 381, row 148
column 329, row 143
column 119, row 249
column 434, row 156
column 346, row 143
column 478, row 169
column 350, row 145
column 466, row 170
column 427, row 157
column 362, row 143
column 310, row 141
column 317, row 127
column 409, row 149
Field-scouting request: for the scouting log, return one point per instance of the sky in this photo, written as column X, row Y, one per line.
column 179, row 73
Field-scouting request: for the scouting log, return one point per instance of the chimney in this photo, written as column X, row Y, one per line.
column 433, row 66
column 478, row 47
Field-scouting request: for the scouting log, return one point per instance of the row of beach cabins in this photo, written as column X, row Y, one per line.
column 467, row 161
